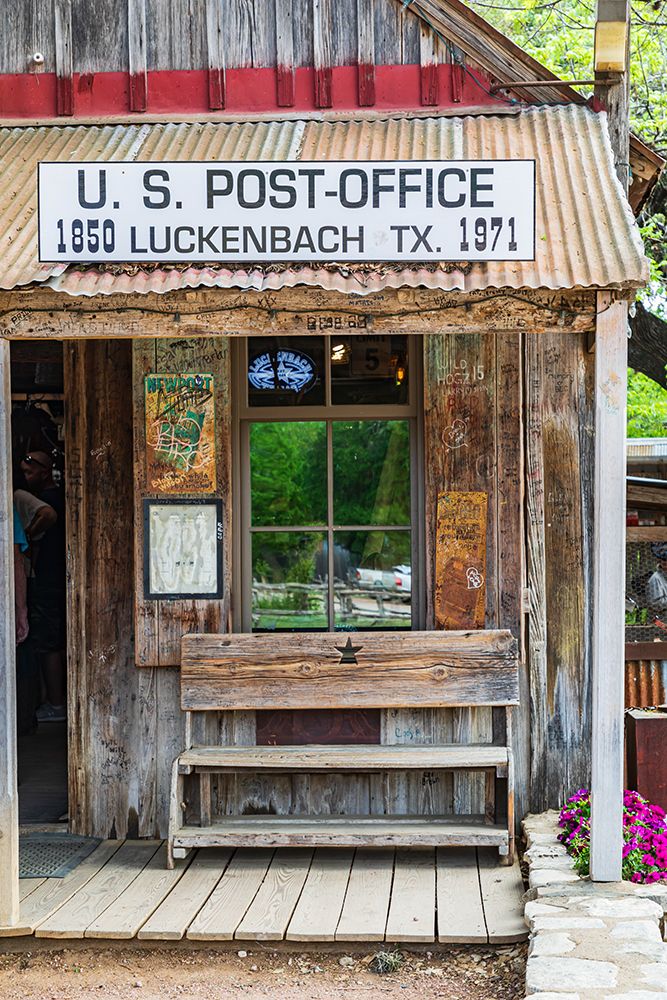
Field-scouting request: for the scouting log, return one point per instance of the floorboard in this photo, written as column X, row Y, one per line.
column 28, row 885
column 227, row 905
column 134, row 906
column 52, row 893
column 175, row 914
column 502, row 898
column 73, row 919
column 412, row 907
column 364, row 916
column 271, row 910
column 459, row 899
column 321, row 902
column 124, row 890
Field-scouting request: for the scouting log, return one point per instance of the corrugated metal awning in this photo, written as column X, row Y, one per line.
column 586, row 233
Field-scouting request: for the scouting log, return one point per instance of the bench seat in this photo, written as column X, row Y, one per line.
column 343, row 758
column 333, row 670
column 344, row 831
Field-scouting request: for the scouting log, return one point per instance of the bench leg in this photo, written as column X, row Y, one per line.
column 175, row 810
column 508, row 859
column 205, row 798
column 490, row 796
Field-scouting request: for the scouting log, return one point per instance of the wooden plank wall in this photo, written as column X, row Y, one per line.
column 472, row 419
column 160, row 624
column 114, row 707
column 559, row 480
column 533, row 390
column 103, row 34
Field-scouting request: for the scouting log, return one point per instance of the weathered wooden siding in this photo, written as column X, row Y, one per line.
column 559, row 480
column 160, row 624
column 176, row 34
column 475, row 380
column 125, row 722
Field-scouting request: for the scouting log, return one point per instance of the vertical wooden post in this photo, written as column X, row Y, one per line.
column 611, row 350
column 215, row 55
column 136, row 29
column 9, row 808
column 285, row 53
column 366, row 52
column 63, row 52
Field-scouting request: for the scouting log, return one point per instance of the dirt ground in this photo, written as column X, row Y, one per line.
column 258, row 972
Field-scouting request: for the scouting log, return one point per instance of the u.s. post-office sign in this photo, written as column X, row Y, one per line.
column 412, row 211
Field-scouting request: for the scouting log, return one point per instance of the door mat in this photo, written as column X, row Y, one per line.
column 52, row 855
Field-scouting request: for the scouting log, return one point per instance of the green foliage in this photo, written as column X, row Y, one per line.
column 647, row 407
column 560, row 34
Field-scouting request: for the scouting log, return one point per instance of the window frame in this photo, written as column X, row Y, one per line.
column 243, row 415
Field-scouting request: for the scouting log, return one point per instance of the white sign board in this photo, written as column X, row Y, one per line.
column 412, row 211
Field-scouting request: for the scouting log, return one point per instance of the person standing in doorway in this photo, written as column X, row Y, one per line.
column 46, row 599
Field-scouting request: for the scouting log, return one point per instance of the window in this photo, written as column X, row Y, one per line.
column 328, row 441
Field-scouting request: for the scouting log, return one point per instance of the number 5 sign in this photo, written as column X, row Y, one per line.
column 371, row 356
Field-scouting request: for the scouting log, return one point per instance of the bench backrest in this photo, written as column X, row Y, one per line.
column 348, row 670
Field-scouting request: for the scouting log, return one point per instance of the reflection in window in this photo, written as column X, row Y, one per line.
column 289, row 580
column 378, row 592
column 371, row 463
column 288, row 473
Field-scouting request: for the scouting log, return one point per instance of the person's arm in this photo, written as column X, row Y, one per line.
column 20, row 596
column 45, row 517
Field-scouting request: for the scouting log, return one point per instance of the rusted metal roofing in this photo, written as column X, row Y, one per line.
column 586, row 233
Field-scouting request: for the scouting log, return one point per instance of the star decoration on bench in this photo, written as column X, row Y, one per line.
column 348, row 651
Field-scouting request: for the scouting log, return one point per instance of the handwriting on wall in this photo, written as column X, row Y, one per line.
column 180, row 433
column 460, row 560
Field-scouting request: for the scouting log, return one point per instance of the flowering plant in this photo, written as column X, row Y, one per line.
column 644, row 836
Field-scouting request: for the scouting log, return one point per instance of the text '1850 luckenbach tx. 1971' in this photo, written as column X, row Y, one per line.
column 477, row 210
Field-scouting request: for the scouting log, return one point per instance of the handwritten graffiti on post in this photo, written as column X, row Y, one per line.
column 180, row 433
column 460, row 560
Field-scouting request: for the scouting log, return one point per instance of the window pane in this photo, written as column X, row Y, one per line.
column 285, row 371
column 371, row 460
column 379, row 591
column 289, row 580
column 288, row 473
column 369, row 370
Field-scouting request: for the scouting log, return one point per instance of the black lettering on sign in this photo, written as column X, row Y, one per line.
column 161, row 190
column 86, row 202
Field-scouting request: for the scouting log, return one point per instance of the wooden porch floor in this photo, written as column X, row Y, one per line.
column 123, row 890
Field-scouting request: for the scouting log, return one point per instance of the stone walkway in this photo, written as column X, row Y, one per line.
column 589, row 941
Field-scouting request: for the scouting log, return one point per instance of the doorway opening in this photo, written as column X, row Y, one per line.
column 38, row 458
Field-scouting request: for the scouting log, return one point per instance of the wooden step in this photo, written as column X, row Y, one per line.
column 344, row 758
column 344, row 831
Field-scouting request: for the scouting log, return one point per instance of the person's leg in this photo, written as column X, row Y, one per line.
column 53, row 667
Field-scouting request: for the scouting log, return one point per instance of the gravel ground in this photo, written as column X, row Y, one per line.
column 83, row 974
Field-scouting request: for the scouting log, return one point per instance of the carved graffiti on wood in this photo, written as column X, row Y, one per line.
column 460, row 560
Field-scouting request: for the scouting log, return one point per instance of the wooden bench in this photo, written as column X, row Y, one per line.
column 346, row 670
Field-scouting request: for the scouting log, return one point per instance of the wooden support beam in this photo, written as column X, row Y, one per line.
column 285, row 53
column 63, row 53
column 429, row 58
column 322, row 53
column 366, row 52
column 215, row 55
column 9, row 807
column 136, row 21
column 609, row 590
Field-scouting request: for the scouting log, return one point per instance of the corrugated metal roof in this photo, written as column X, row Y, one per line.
column 586, row 233
column 647, row 447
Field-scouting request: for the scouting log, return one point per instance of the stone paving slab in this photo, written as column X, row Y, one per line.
column 589, row 941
